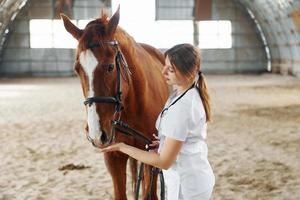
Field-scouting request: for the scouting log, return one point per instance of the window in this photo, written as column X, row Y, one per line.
column 215, row 35
column 164, row 34
column 161, row 34
column 48, row 33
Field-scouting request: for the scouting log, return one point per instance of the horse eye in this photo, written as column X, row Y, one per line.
column 110, row 67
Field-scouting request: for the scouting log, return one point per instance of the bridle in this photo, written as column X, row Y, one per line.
column 121, row 126
column 117, row 99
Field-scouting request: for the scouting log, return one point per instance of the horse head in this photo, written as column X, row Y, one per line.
column 100, row 66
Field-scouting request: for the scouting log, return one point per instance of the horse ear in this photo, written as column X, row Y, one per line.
column 113, row 22
column 70, row 27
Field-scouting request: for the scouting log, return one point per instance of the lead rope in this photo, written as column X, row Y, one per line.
column 139, row 181
column 154, row 171
column 125, row 129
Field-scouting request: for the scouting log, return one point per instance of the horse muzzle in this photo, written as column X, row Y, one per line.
column 102, row 142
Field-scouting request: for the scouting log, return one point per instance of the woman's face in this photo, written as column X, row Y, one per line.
column 172, row 75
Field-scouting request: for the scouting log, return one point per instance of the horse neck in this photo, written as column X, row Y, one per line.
column 130, row 51
column 127, row 44
column 141, row 89
column 134, row 54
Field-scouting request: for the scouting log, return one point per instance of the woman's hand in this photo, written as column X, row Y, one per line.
column 153, row 147
column 113, row 147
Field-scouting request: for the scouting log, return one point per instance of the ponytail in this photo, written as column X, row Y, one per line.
column 203, row 91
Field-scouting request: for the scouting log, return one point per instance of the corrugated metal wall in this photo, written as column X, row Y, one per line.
column 275, row 18
column 282, row 34
column 247, row 53
column 19, row 59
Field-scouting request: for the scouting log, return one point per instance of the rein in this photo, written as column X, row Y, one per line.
column 122, row 127
column 127, row 130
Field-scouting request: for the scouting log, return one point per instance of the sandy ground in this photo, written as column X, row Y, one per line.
column 254, row 141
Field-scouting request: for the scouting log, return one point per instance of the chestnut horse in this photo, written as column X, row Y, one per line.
column 140, row 86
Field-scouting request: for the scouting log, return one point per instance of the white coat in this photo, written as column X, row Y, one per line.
column 191, row 175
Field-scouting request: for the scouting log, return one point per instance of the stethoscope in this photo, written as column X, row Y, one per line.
column 167, row 108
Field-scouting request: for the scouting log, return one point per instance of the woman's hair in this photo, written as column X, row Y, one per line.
column 186, row 59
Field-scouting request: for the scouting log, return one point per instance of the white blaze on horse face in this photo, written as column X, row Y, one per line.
column 89, row 63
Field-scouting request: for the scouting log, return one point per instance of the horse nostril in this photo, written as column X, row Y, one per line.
column 103, row 137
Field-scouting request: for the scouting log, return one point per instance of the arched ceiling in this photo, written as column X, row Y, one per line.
column 8, row 11
column 280, row 24
column 279, row 21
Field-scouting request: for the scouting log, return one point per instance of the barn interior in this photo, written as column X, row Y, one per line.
column 250, row 51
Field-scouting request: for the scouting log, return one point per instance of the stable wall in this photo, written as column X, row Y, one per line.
column 19, row 59
column 247, row 54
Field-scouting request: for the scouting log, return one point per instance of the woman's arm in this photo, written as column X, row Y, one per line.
column 163, row 160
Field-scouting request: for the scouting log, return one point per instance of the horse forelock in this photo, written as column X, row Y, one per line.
column 95, row 31
column 104, row 16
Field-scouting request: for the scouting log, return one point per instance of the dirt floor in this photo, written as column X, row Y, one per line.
column 254, row 140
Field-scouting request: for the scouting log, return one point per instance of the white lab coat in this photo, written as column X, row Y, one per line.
column 191, row 174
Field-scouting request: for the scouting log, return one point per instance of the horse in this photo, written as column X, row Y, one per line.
column 126, row 77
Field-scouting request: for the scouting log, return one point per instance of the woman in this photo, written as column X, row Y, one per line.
column 182, row 152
